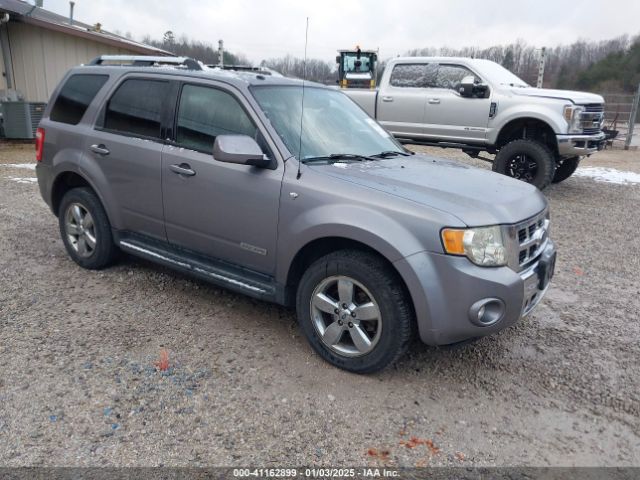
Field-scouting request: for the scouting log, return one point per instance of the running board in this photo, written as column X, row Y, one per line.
column 218, row 272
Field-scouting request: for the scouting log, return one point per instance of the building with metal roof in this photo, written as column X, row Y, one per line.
column 37, row 47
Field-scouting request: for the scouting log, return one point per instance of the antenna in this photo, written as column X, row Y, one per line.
column 304, row 78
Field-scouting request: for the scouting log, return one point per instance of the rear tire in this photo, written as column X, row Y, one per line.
column 85, row 229
column 376, row 326
column 565, row 169
column 526, row 160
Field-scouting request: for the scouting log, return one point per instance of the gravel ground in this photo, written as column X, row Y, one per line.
column 78, row 353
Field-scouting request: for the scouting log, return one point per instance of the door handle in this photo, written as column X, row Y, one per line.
column 182, row 169
column 434, row 101
column 99, row 149
column 387, row 99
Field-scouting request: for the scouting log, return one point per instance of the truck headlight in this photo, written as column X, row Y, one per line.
column 484, row 246
column 572, row 116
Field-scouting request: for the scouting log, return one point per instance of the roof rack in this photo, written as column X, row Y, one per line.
column 146, row 61
column 241, row 68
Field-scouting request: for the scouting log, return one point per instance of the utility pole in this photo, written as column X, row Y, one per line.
column 220, row 53
column 632, row 119
column 543, row 59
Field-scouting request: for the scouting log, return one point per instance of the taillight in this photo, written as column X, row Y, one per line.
column 39, row 144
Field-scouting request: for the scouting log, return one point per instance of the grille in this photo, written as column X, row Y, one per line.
column 594, row 107
column 592, row 119
column 531, row 236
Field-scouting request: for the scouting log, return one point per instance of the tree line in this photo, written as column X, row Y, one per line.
column 606, row 66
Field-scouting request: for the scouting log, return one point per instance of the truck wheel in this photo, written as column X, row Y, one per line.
column 354, row 311
column 526, row 160
column 85, row 229
column 565, row 169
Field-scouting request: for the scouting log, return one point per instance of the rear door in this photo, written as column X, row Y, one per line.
column 402, row 102
column 450, row 116
column 222, row 210
column 126, row 144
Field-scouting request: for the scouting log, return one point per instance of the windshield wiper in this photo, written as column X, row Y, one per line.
column 334, row 157
column 390, row 153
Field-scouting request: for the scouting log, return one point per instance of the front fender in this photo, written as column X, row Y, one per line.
column 548, row 113
column 347, row 221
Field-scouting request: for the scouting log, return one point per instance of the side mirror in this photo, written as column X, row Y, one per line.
column 338, row 59
column 239, row 149
column 469, row 87
column 466, row 86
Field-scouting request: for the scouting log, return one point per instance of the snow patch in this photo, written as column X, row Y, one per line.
column 28, row 166
column 609, row 175
column 24, row 179
column 340, row 165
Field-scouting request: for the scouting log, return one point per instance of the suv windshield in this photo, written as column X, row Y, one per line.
column 332, row 123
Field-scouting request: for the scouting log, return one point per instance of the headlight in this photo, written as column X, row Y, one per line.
column 484, row 246
column 572, row 116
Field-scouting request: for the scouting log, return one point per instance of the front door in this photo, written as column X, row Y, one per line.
column 222, row 210
column 450, row 116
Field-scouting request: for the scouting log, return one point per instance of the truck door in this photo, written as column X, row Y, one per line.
column 450, row 116
column 402, row 102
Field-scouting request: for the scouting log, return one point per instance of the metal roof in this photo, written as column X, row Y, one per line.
column 22, row 11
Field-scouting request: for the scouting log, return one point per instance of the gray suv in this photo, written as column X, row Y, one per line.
column 290, row 193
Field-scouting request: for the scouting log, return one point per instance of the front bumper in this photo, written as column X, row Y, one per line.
column 446, row 289
column 577, row 145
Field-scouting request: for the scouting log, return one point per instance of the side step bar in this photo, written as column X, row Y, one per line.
column 221, row 273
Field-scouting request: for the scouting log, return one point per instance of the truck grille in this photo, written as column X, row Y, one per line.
column 529, row 239
column 592, row 119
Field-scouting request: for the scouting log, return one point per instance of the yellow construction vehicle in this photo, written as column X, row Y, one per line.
column 357, row 68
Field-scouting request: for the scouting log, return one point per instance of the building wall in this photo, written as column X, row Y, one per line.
column 41, row 57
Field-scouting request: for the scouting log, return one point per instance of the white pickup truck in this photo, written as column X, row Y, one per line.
column 538, row 135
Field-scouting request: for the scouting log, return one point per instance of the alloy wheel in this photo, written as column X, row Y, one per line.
column 346, row 316
column 522, row 167
column 80, row 229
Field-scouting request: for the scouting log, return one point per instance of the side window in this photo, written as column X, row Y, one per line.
column 136, row 107
column 75, row 97
column 450, row 76
column 414, row 75
column 205, row 113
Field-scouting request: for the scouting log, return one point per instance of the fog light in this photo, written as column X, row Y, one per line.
column 486, row 312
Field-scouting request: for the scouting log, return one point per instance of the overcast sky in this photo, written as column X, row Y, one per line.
column 272, row 28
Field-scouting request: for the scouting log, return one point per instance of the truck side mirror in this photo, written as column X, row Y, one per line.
column 466, row 86
column 338, row 59
column 470, row 86
column 239, row 149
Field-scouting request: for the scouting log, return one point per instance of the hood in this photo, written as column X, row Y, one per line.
column 569, row 95
column 474, row 195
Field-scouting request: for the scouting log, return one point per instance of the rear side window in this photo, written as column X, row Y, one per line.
column 205, row 113
column 136, row 108
column 414, row 76
column 75, row 97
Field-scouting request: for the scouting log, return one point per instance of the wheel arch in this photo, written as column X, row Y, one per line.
column 69, row 179
column 319, row 247
column 530, row 128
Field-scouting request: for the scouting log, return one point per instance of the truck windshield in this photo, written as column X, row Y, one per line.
column 498, row 74
column 332, row 123
column 350, row 63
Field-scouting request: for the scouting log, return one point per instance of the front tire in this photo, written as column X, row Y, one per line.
column 354, row 311
column 526, row 160
column 85, row 229
column 565, row 169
